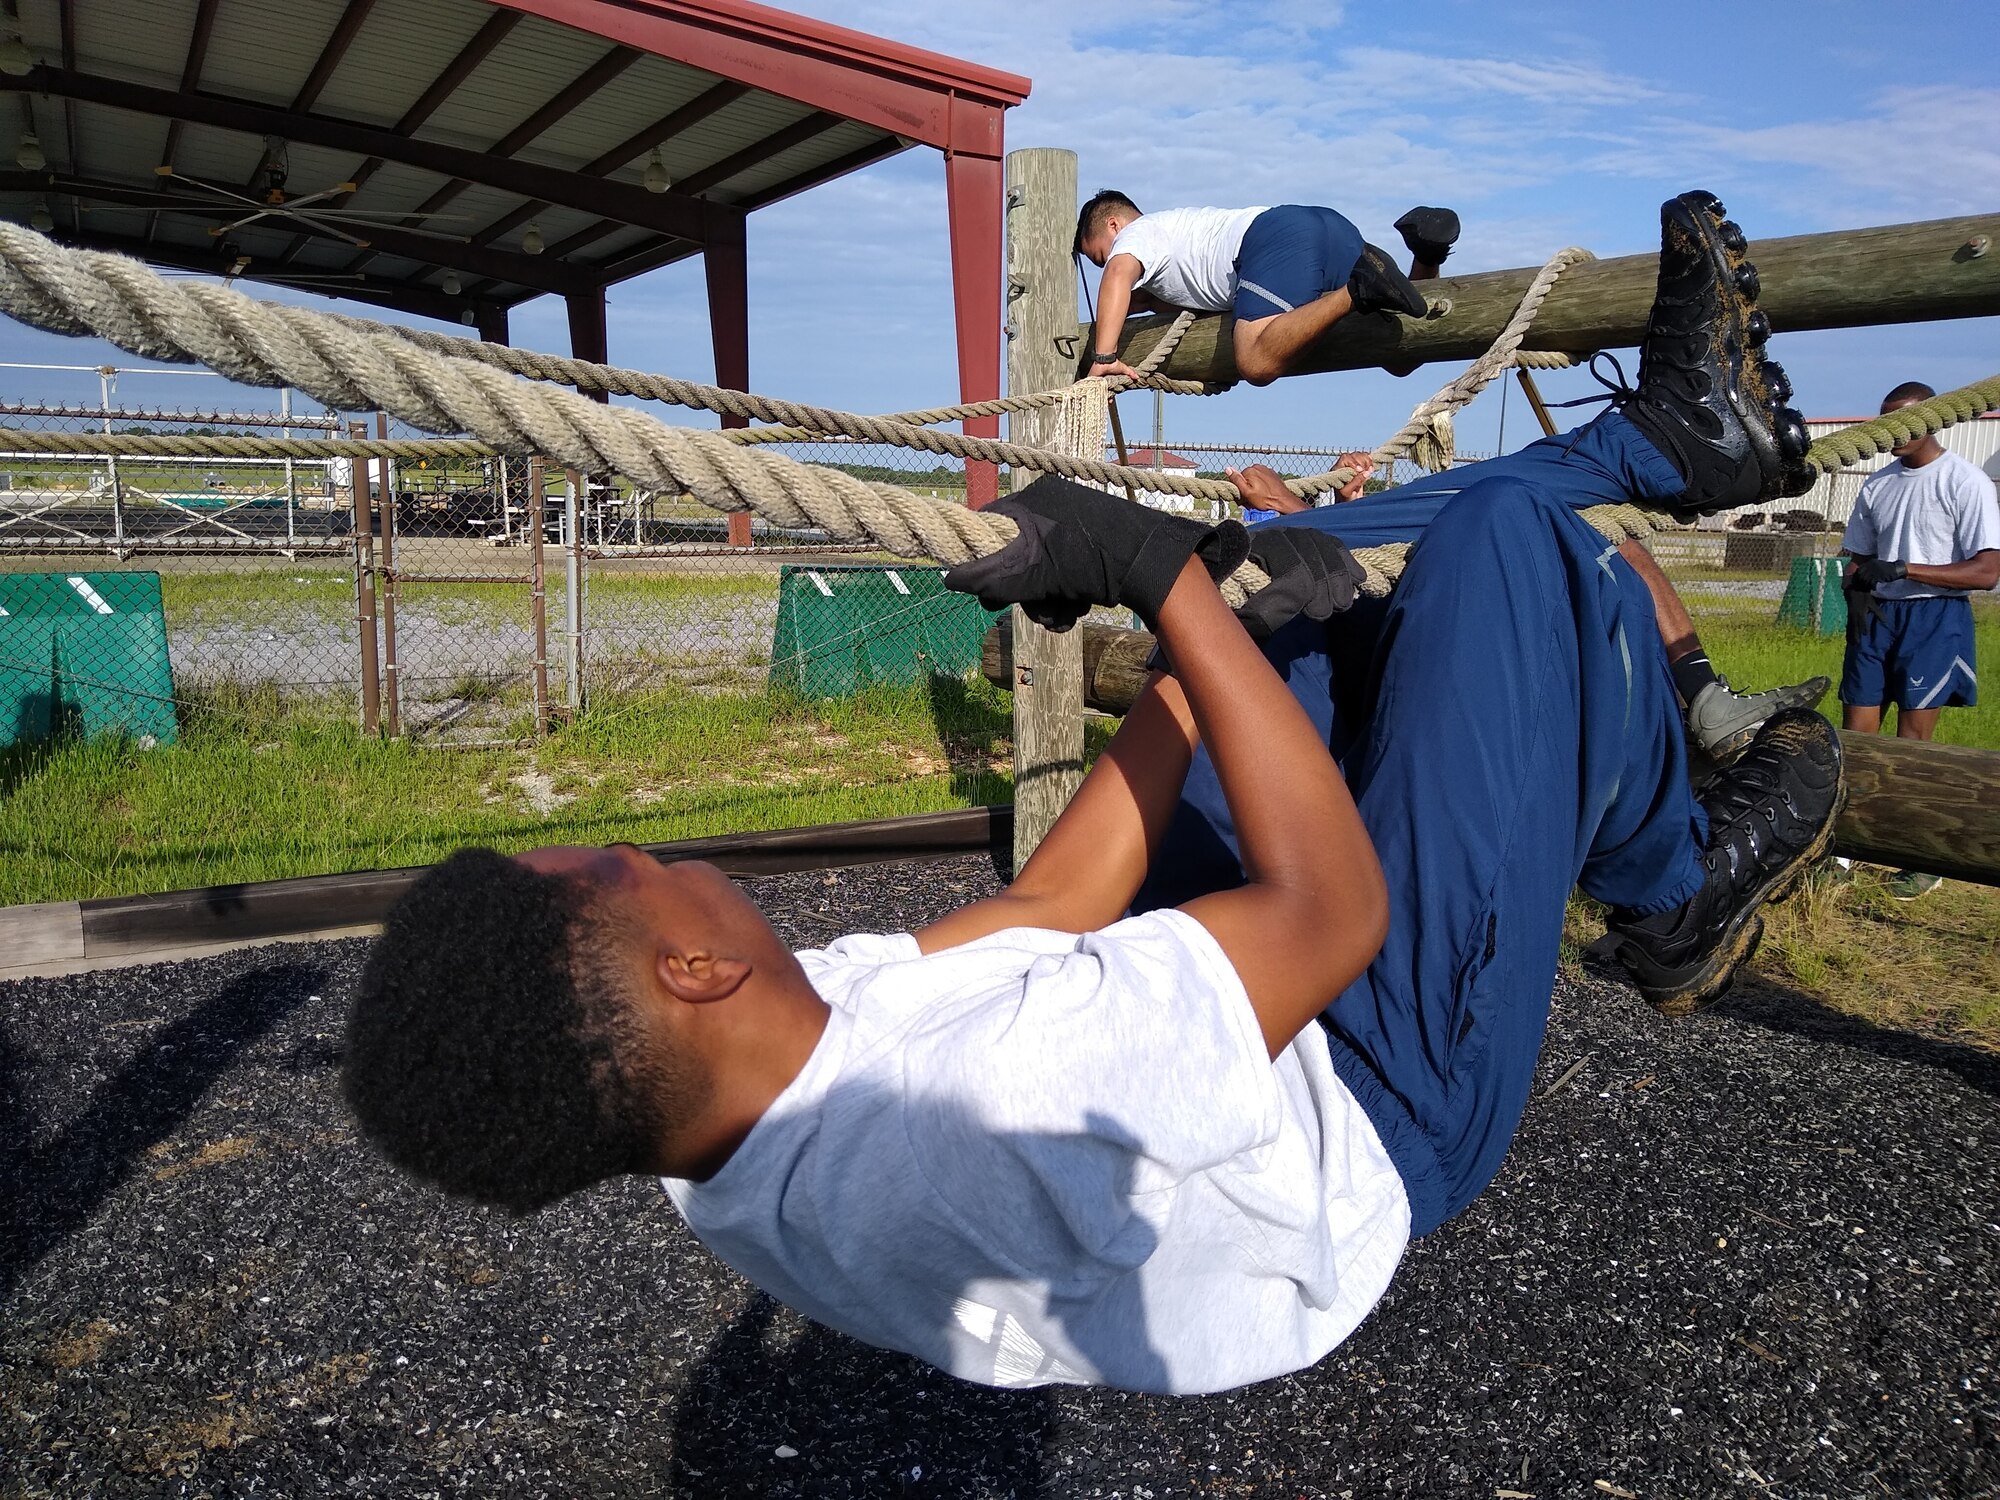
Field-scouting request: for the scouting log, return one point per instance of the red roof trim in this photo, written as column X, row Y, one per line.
column 859, row 77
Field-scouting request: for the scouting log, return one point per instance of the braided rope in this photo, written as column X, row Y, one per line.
column 1496, row 361
column 1862, row 441
column 348, row 364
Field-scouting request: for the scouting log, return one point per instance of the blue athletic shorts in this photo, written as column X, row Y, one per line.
column 1291, row 255
column 1917, row 653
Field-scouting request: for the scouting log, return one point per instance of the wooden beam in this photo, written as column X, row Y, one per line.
column 1897, row 273
column 1047, row 682
column 1928, row 807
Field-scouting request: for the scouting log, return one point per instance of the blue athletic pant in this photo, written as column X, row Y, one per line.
column 1508, row 728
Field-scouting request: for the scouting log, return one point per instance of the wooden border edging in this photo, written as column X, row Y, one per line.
column 107, row 928
column 1934, row 808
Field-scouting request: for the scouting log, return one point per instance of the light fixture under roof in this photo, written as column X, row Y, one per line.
column 41, row 219
column 531, row 242
column 16, row 61
column 451, row 285
column 31, row 157
column 656, row 178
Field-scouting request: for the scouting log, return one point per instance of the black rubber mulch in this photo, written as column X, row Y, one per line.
column 1753, row 1254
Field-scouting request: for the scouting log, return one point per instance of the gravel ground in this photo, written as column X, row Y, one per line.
column 1753, row 1254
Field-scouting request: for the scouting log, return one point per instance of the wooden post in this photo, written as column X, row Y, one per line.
column 1048, row 671
column 364, row 589
column 538, row 595
column 1899, row 273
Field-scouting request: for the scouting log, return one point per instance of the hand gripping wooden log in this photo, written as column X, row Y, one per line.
column 1925, row 807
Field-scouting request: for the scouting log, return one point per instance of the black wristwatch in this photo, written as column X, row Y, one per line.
column 1105, row 359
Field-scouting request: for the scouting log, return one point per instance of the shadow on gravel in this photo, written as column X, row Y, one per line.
column 50, row 1189
column 859, row 1422
column 1795, row 1013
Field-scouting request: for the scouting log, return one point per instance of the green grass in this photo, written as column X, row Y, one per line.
column 251, row 793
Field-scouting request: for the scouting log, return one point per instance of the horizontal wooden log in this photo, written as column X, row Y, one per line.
column 1897, row 273
column 1934, row 808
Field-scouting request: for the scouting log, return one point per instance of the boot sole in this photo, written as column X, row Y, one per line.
column 1738, row 357
column 1692, row 987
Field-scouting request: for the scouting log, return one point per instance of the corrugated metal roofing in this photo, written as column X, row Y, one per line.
column 264, row 52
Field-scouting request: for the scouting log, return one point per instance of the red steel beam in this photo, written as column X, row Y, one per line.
column 894, row 87
column 974, row 188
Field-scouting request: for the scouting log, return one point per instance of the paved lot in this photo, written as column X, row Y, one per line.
column 1755, row 1254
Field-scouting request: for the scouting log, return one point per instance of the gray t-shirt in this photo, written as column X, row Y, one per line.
column 1047, row 1158
column 1941, row 513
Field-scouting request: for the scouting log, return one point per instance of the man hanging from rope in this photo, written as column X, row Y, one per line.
column 1043, row 1140
column 1288, row 273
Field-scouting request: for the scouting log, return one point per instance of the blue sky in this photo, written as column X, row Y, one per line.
column 1545, row 125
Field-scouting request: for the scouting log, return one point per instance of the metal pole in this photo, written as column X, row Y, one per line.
column 573, row 582
column 291, row 473
column 364, row 591
column 538, row 597
column 106, row 380
column 499, row 467
column 392, row 690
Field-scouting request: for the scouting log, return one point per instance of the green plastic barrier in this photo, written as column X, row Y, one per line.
column 84, row 653
column 846, row 625
column 1814, row 599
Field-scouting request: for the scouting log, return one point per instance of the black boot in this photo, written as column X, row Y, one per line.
column 1770, row 816
column 1707, row 398
column 1377, row 286
column 1429, row 234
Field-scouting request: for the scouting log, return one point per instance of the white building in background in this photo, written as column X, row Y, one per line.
column 1833, row 497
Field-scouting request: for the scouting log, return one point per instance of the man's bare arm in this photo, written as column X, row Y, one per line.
column 1114, row 303
column 1314, row 909
column 1089, row 867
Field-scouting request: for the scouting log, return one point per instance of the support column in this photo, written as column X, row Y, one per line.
column 1048, row 667
column 725, row 262
column 587, row 338
column 490, row 319
column 973, row 195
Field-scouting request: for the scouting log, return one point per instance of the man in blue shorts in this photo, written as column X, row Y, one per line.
column 1925, row 530
column 1288, row 273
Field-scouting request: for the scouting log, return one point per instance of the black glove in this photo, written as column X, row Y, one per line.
column 1429, row 233
column 1312, row 574
column 1080, row 547
column 1872, row 572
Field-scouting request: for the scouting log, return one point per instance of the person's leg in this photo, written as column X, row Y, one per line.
column 1504, row 723
column 1292, row 271
column 1916, row 723
column 1864, row 675
column 1857, row 719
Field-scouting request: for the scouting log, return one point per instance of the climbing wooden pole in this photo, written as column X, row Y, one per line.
column 1047, row 679
column 1934, row 808
column 1897, row 273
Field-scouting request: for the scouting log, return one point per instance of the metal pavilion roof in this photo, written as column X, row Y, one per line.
column 455, row 157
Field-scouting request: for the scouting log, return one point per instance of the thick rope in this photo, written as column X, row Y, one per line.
column 1862, row 441
column 347, row 364
column 1425, row 422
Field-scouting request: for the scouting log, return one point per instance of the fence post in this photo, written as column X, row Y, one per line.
column 392, row 683
column 573, row 575
column 291, row 473
column 1041, row 324
column 538, row 596
column 364, row 589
